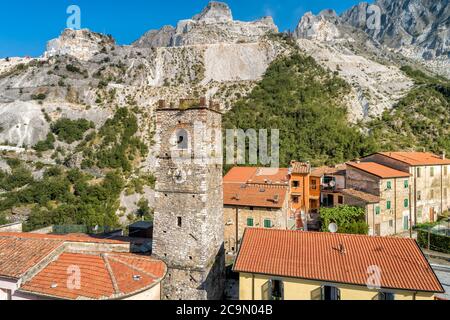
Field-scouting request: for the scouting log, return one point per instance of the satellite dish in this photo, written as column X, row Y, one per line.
column 332, row 183
column 333, row 227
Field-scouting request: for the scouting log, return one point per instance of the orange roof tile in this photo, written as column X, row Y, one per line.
column 19, row 255
column 367, row 197
column 300, row 167
column 256, row 175
column 338, row 170
column 417, row 158
column 102, row 276
column 317, row 256
column 378, row 170
column 68, row 237
column 254, row 196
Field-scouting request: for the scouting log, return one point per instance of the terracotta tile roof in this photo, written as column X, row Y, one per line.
column 417, row 158
column 19, row 255
column 300, row 167
column 256, row 175
column 338, row 170
column 68, row 237
column 378, row 170
column 316, row 256
column 364, row 196
column 254, row 196
column 102, row 276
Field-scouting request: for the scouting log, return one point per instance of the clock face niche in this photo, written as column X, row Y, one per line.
column 179, row 176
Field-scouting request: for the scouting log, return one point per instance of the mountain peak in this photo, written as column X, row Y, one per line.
column 215, row 12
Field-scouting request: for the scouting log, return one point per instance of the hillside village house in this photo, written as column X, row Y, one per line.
column 74, row 267
column 254, row 197
column 295, row 265
column 429, row 181
column 391, row 186
column 332, row 179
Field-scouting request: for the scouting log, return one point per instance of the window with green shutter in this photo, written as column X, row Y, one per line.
column 406, row 202
column 388, row 205
column 267, row 223
column 389, row 185
column 377, row 210
column 406, row 184
column 249, row 222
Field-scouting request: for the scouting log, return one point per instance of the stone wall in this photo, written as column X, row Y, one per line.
column 234, row 231
column 389, row 221
column 188, row 226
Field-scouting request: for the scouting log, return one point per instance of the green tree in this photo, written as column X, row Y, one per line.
column 305, row 102
column 348, row 219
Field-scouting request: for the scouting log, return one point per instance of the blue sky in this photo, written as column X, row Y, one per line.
column 26, row 25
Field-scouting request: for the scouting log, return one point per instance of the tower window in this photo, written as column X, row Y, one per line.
column 179, row 222
column 182, row 139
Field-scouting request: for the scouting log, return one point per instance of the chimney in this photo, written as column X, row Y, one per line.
column 342, row 249
column 203, row 102
column 162, row 104
column 276, row 198
column 444, row 156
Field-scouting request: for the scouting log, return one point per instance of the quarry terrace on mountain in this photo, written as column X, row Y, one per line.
column 108, row 190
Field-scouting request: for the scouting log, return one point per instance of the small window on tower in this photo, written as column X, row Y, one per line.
column 179, row 221
column 182, row 139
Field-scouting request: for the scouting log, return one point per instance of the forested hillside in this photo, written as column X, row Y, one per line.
column 306, row 103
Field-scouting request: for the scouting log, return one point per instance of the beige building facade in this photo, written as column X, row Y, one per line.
column 253, row 207
column 429, row 181
column 392, row 214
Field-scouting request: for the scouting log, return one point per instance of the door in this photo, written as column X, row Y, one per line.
column 431, row 214
column 405, row 223
column 378, row 229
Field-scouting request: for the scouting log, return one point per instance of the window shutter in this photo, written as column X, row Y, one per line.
column 317, row 294
column 265, row 291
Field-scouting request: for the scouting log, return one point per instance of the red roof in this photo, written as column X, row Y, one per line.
column 379, row 170
column 68, row 237
column 300, row 167
column 337, row 258
column 255, row 175
column 268, row 196
column 18, row 255
column 417, row 158
column 43, row 262
column 102, row 276
column 338, row 170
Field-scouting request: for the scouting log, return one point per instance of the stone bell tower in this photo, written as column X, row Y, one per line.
column 188, row 225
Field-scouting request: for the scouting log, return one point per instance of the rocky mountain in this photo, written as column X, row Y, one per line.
column 375, row 78
column 214, row 24
column 418, row 29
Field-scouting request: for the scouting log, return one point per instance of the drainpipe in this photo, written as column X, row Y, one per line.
column 395, row 206
column 373, row 221
column 410, row 212
column 253, row 286
column 442, row 190
column 237, row 230
column 415, row 194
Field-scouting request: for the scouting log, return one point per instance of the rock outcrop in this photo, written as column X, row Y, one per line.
column 81, row 44
column 213, row 25
column 418, row 29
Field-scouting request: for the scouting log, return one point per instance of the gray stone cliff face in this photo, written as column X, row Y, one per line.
column 213, row 25
column 418, row 29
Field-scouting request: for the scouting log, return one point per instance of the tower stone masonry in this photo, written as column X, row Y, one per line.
column 188, row 224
